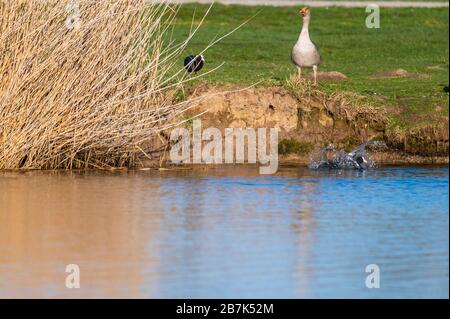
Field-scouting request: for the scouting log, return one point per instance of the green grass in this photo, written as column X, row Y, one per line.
column 412, row 39
column 292, row 146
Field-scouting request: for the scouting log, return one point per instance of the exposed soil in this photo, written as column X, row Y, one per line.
column 314, row 119
column 308, row 119
column 398, row 73
column 328, row 76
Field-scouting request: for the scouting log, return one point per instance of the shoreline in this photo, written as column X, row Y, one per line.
column 308, row 118
column 284, row 163
column 389, row 158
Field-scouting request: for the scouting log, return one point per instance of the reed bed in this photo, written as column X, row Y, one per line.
column 85, row 84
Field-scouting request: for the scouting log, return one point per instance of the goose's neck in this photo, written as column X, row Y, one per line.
column 305, row 29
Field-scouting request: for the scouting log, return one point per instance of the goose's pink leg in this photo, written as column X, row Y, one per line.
column 315, row 75
column 299, row 69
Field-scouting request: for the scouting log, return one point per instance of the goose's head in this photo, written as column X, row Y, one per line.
column 305, row 12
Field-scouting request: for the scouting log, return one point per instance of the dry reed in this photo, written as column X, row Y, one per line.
column 84, row 83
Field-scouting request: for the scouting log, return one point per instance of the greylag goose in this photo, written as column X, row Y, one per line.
column 305, row 53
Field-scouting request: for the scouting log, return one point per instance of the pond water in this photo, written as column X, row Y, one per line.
column 226, row 233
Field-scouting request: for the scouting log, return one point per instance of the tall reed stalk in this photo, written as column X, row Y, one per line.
column 84, row 83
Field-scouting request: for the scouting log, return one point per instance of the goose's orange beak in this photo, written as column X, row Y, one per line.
column 304, row 11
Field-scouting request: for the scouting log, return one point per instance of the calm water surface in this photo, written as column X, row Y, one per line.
column 225, row 233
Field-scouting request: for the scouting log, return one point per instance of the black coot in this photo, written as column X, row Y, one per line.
column 194, row 63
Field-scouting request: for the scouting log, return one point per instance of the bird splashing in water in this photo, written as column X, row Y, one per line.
column 331, row 158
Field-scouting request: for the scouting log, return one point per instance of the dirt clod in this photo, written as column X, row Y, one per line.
column 398, row 73
column 328, row 76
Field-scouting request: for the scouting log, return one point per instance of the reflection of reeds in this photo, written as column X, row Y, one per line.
column 83, row 96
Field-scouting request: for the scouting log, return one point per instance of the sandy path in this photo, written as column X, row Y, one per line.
column 356, row 4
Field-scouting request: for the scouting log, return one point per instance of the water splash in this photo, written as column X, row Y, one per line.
column 331, row 158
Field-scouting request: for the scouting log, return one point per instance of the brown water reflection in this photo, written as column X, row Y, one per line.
column 49, row 220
